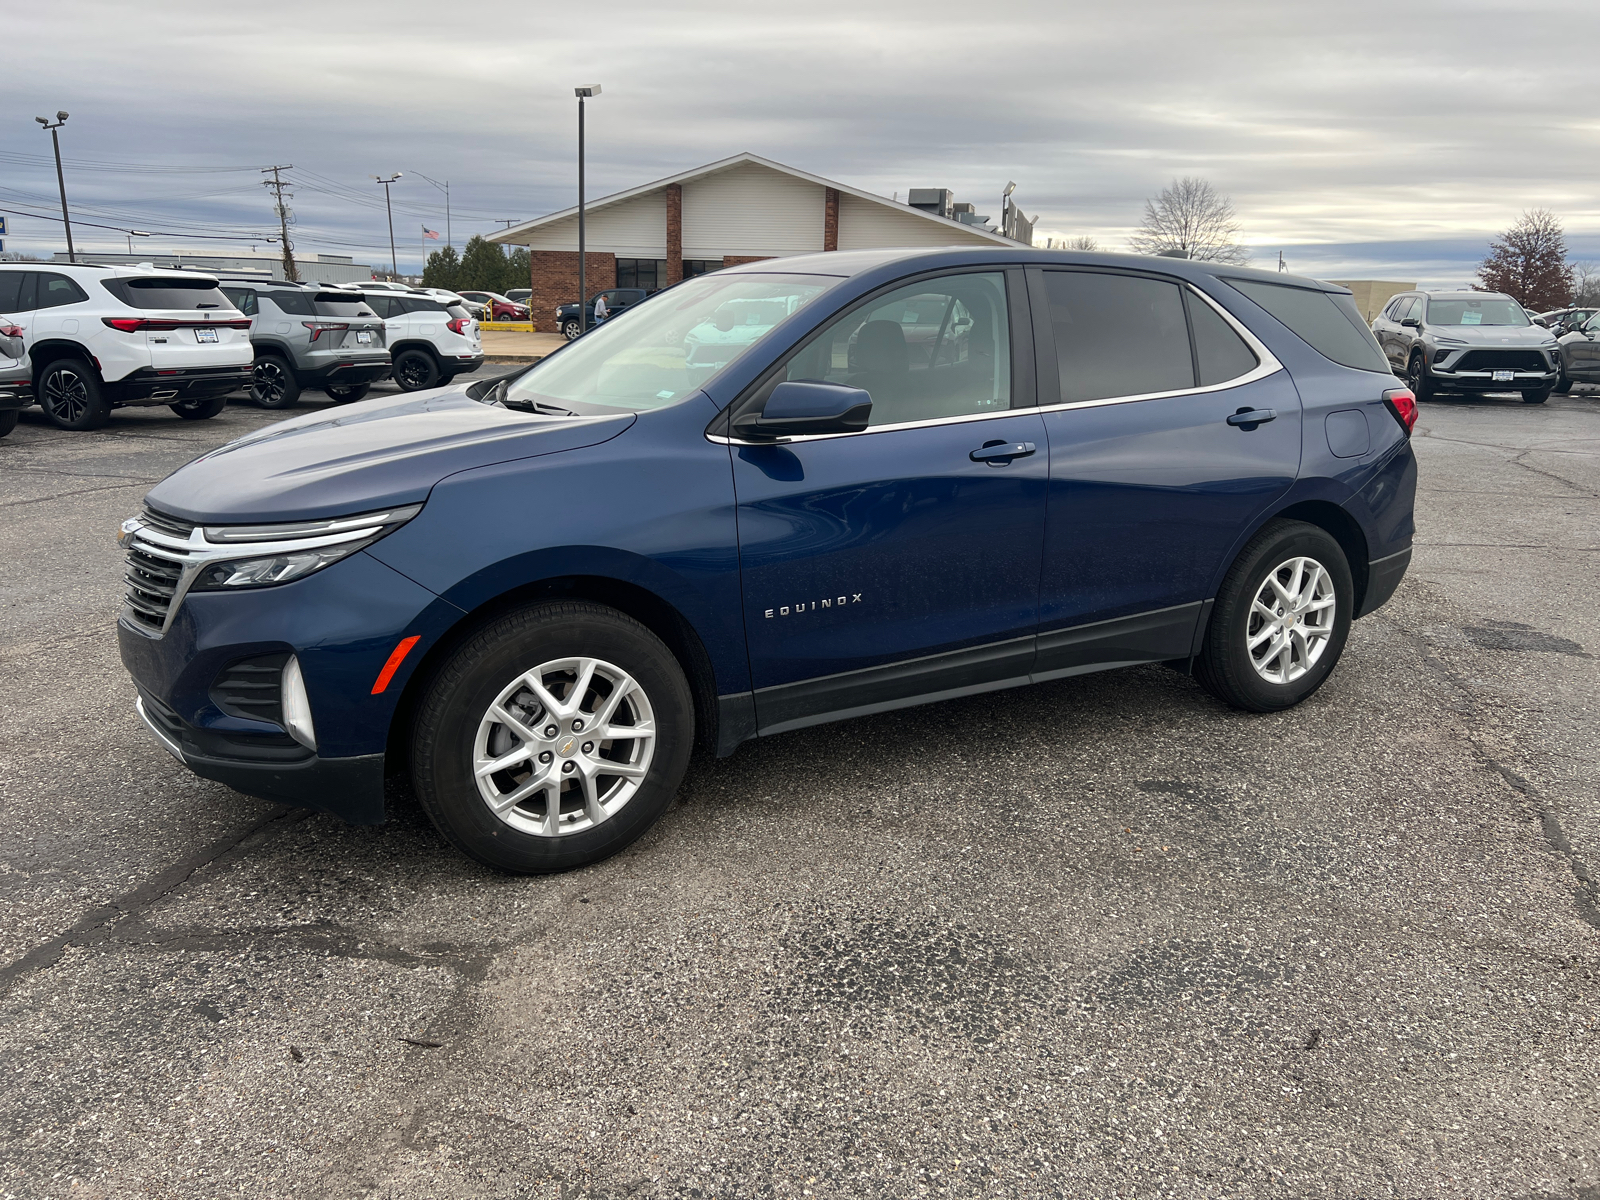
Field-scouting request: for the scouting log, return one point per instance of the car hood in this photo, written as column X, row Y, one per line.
column 362, row 457
column 1491, row 335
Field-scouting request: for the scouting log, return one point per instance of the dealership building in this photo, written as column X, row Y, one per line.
column 742, row 209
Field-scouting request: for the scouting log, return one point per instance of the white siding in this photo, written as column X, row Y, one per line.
column 865, row 225
column 634, row 228
column 751, row 210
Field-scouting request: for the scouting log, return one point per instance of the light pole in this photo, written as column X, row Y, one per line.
column 1005, row 210
column 583, row 93
column 394, row 262
column 445, row 188
column 61, row 119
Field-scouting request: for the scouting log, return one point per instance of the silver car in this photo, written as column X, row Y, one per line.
column 1467, row 342
column 16, row 375
column 306, row 336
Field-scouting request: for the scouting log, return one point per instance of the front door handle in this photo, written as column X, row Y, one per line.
column 1248, row 418
column 1000, row 453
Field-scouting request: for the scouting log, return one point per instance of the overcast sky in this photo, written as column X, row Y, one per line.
column 1384, row 140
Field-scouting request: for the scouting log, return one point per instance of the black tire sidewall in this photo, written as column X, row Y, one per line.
column 358, row 391
column 456, row 699
column 1422, row 385
column 422, row 356
column 98, row 410
column 291, row 387
column 201, row 410
column 1225, row 668
column 1536, row 395
column 8, row 420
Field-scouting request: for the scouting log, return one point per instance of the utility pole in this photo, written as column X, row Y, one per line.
column 61, row 119
column 275, row 185
column 583, row 93
column 445, row 188
column 394, row 261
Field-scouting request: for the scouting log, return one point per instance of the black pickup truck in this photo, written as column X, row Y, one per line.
column 617, row 299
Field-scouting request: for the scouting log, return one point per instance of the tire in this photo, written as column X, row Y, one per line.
column 200, row 410
column 1536, row 395
column 1227, row 667
column 8, row 421
column 1418, row 379
column 416, row 371
column 273, row 384
column 455, row 730
column 446, row 379
column 1563, row 386
column 71, row 395
column 348, row 393
column 570, row 330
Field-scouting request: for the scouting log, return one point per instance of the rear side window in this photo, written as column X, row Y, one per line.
column 296, row 304
column 56, row 290
column 341, row 304
column 1118, row 335
column 1328, row 323
column 168, row 293
column 11, row 291
column 1220, row 354
column 241, row 298
column 384, row 306
column 417, row 304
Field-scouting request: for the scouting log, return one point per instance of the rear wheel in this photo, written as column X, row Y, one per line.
column 416, row 371
column 347, row 393
column 1418, row 379
column 8, row 421
column 272, row 385
column 1536, row 395
column 570, row 330
column 200, row 410
column 1280, row 621
column 71, row 395
column 553, row 738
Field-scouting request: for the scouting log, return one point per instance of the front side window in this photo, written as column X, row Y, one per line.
column 56, row 290
column 1118, row 335
column 1403, row 307
column 668, row 346
column 938, row 348
column 1476, row 312
column 241, row 298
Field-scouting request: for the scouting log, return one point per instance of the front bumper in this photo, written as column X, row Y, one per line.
column 151, row 386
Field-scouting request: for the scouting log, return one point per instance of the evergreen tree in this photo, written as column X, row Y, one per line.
column 483, row 266
column 443, row 269
column 1528, row 262
column 519, row 268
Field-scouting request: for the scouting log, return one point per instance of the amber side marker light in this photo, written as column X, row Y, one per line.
column 393, row 665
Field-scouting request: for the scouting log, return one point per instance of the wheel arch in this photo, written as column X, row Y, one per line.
column 1343, row 528
column 656, row 614
column 412, row 343
column 49, row 350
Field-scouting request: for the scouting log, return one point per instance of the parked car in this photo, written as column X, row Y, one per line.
column 478, row 312
column 1565, row 320
column 16, row 374
column 616, row 299
column 100, row 338
column 430, row 344
column 377, row 285
column 1467, row 342
column 306, row 336
column 538, row 595
column 1580, row 355
column 501, row 308
column 519, row 295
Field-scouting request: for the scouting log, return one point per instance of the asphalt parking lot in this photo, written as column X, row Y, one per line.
column 1096, row 938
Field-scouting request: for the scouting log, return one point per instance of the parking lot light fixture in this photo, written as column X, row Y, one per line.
column 61, row 119
column 394, row 263
column 583, row 93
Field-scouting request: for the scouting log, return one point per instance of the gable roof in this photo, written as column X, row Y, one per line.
column 510, row 234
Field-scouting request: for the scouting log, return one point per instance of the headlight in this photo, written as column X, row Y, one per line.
column 280, row 568
column 252, row 556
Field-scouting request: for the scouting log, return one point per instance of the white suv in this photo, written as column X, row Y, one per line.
column 431, row 343
column 103, row 337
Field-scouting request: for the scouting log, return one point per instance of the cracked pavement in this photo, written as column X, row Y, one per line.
column 1095, row 938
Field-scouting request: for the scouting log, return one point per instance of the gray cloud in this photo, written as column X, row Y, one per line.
column 1339, row 130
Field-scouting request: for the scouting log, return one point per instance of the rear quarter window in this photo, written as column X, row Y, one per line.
column 335, row 304
column 1326, row 322
column 168, row 293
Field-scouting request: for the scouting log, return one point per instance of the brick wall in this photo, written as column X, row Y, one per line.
column 674, row 234
column 554, row 280
column 830, row 218
column 733, row 260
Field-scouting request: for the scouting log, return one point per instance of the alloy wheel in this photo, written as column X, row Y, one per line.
column 66, row 395
column 1291, row 620
column 268, row 382
column 413, row 373
column 564, row 747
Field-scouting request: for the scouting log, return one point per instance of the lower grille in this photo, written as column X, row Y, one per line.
column 252, row 689
column 1502, row 360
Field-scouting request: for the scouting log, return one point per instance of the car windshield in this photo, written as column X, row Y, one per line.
column 1476, row 312
column 664, row 348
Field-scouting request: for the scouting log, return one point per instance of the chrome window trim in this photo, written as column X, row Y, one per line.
column 1267, row 364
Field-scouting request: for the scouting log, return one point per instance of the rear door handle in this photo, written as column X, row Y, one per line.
column 1249, row 418
column 1001, row 453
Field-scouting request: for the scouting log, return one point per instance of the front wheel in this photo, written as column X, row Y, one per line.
column 553, row 738
column 1418, row 379
column 1281, row 619
column 416, row 371
column 200, row 410
column 570, row 330
column 1563, row 385
column 347, row 393
column 1536, row 395
column 71, row 396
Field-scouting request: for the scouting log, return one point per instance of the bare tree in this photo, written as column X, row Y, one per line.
column 1586, row 282
column 1082, row 242
column 1190, row 216
column 1528, row 262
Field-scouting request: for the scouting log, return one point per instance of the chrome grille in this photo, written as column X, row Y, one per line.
column 172, row 526
column 152, row 583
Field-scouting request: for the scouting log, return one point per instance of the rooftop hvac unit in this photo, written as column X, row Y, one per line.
column 934, row 200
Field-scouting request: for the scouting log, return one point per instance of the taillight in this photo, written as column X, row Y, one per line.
column 318, row 328
column 11, row 330
column 459, row 325
column 1403, row 405
column 167, row 324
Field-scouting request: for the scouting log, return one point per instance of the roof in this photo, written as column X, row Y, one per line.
column 644, row 189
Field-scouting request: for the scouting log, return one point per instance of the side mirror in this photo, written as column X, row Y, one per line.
column 1540, row 321
column 1412, row 323
column 808, row 407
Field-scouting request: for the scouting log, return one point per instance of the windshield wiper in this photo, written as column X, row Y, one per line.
column 497, row 396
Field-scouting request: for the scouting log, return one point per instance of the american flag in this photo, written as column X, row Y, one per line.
column 430, row 233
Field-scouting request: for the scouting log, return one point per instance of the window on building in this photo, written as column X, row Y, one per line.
column 700, row 266
column 647, row 273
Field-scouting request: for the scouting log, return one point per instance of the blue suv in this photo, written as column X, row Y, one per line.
column 781, row 494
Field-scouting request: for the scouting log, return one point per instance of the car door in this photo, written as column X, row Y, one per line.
column 1153, row 477
column 902, row 561
column 1580, row 352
